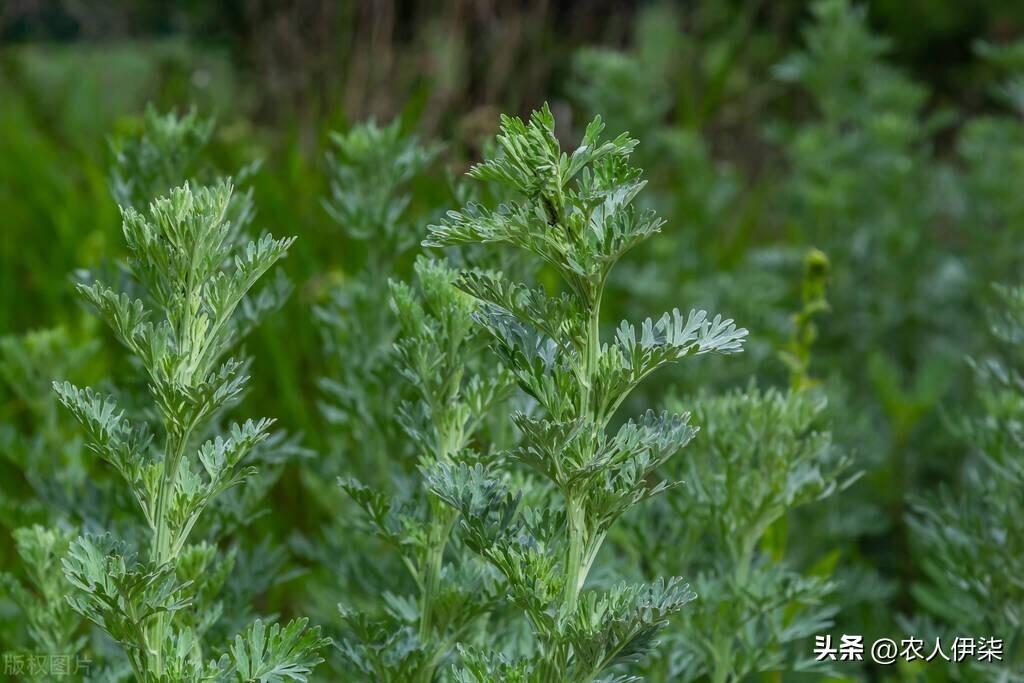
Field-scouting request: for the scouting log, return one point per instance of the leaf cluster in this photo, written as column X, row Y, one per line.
column 575, row 213
column 159, row 601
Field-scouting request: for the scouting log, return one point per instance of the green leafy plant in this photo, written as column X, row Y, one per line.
column 46, row 453
column 487, row 534
column 989, row 148
column 158, row 153
column 797, row 352
column 370, row 170
column 575, row 214
column 70, row 490
column 51, row 624
column 154, row 594
column 686, row 68
column 760, row 456
column 438, row 351
column 872, row 135
column 972, row 538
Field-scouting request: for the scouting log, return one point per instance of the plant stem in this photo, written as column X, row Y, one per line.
column 720, row 674
column 160, row 552
column 575, row 567
column 442, row 519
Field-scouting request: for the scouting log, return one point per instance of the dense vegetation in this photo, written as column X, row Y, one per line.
column 478, row 425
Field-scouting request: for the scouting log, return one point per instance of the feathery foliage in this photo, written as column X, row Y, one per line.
column 575, row 213
column 972, row 540
column 370, row 170
column 506, row 513
column 438, row 352
column 156, row 597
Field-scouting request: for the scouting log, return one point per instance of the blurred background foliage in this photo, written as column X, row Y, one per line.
column 887, row 135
